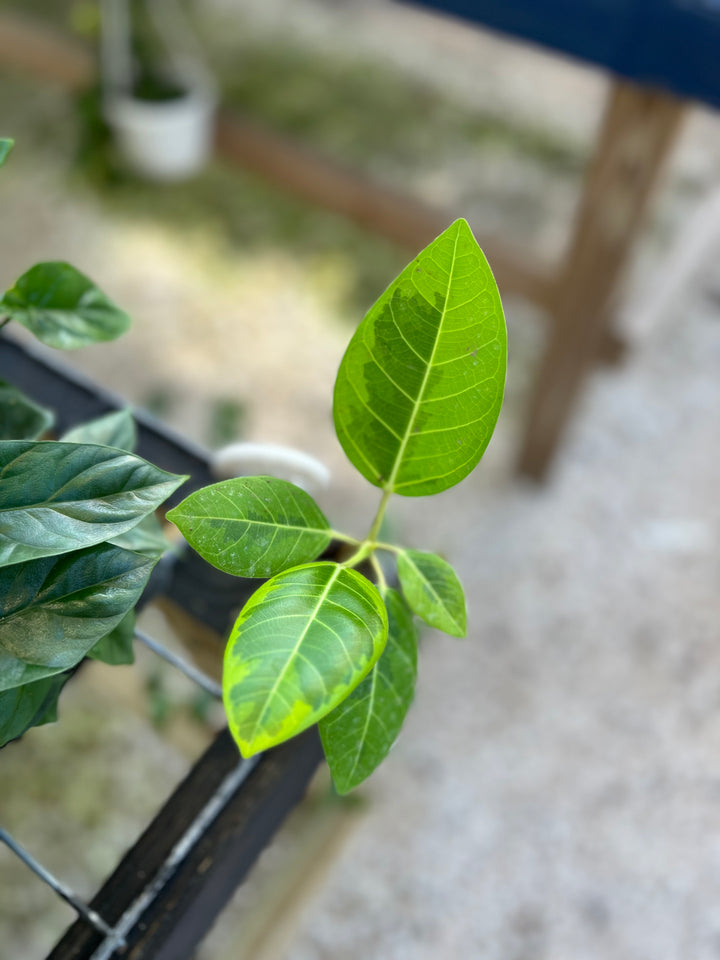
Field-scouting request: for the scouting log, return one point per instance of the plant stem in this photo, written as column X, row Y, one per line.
column 345, row 538
column 4, row 322
column 377, row 522
column 363, row 551
column 377, row 568
column 390, row 547
column 368, row 545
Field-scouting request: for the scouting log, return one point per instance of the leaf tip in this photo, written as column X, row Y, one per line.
column 179, row 479
column 342, row 787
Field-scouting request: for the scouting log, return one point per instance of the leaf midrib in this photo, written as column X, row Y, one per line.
column 390, row 485
column 268, row 700
column 36, row 603
column 439, row 602
column 368, row 716
column 60, row 505
column 255, row 523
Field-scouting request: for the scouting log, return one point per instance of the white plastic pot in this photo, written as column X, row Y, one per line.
column 164, row 140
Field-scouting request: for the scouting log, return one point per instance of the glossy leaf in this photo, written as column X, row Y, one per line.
column 29, row 706
column 6, row 146
column 420, row 387
column 116, row 429
column 358, row 734
column 50, row 713
column 55, row 609
column 433, row 591
column 20, row 417
column 116, row 648
column 58, row 496
column 301, row 644
column 146, row 537
column 63, row 307
column 253, row 526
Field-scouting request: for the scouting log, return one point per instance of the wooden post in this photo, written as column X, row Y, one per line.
column 29, row 45
column 637, row 133
column 390, row 213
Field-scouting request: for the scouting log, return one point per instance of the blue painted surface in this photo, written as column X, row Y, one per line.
column 673, row 44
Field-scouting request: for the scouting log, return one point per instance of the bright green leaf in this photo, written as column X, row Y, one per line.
column 28, row 706
column 116, row 429
column 146, row 537
column 6, row 146
column 253, row 526
column 116, row 648
column 20, row 418
column 301, row 644
column 358, row 734
column 420, row 387
column 58, row 496
column 433, row 591
column 63, row 308
column 55, row 609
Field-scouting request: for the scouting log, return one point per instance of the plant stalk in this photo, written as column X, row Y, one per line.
column 367, row 546
column 379, row 516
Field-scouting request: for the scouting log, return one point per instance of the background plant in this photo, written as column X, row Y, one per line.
column 416, row 400
column 78, row 536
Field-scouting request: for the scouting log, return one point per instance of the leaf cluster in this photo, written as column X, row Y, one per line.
column 78, row 534
column 416, row 400
column 415, row 403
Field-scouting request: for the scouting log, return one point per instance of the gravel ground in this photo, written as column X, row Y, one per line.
column 555, row 792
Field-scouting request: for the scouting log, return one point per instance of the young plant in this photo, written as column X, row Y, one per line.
column 416, row 401
column 78, row 538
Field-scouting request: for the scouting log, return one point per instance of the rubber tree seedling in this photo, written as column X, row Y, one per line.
column 416, row 401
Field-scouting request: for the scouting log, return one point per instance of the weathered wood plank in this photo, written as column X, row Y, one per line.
column 637, row 134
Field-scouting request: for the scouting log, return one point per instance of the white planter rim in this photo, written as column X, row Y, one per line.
column 121, row 104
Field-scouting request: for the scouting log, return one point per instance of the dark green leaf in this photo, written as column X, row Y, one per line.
column 146, row 537
column 116, row 648
column 358, row 734
column 433, row 591
column 31, row 705
column 420, row 387
column 58, row 496
column 63, row 308
column 50, row 713
column 118, row 429
column 55, row 609
column 6, row 146
column 115, row 429
column 301, row 644
column 20, row 418
column 253, row 526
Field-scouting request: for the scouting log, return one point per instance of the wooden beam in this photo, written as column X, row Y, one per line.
column 577, row 296
column 638, row 131
column 29, row 46
column 398, row 217
column 32, row 47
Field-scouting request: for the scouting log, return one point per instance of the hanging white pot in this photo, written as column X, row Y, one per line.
column 167, row 133
column 164, row 139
